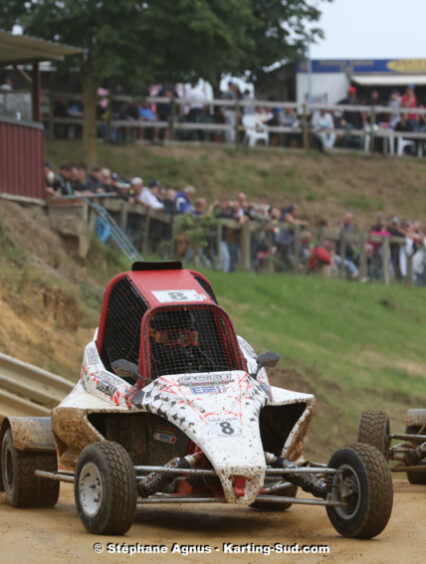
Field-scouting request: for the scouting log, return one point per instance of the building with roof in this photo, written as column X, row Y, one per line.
column 329, row 80
column 21, row 130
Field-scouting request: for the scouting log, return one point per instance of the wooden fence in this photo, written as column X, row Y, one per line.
column 122, row 211
column 179, row 123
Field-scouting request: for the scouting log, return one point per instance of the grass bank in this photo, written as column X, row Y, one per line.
column 355, row 346
column 322, row 185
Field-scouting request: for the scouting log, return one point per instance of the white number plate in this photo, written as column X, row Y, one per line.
column 225, row 427
column 164, row 296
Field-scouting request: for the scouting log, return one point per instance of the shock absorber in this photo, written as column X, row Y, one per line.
column 157, row 481
column 308, row 482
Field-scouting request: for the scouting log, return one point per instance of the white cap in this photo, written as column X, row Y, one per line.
column 136, row 180
column 189, row 190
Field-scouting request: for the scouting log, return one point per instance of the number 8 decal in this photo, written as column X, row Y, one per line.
column 226, row 427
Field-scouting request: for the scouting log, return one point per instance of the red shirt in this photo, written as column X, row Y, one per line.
column 318, row 257
column 407, row 102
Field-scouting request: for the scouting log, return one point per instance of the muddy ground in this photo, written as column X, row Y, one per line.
column 57, row 535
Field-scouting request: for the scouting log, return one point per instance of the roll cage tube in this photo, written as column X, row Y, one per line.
column 177, row 335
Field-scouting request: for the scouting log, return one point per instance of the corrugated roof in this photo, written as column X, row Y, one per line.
column 22, row 48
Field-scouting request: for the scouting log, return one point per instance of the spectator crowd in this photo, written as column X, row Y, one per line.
column 285, row 240
column 198, row 109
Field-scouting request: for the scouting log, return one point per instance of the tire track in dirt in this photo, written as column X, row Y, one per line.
column 40, row 536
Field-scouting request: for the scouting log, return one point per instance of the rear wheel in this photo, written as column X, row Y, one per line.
column 22, row 487
column 365, row 486
column 105, row 488
column 374, row 429
column 416, row 477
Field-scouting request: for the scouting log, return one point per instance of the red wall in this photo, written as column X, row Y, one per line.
column 21, row 158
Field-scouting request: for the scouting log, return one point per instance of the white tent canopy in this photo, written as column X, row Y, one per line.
column 389, row 79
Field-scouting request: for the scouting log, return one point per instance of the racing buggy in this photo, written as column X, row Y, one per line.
column 409, row 452
column 172, row 407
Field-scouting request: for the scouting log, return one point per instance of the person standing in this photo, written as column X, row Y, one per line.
column 229, row 113
column 409, row 100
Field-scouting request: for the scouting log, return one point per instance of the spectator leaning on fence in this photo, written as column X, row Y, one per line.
column 94, row 180
column 136, row 185
column 183, row 200
column 149, row 196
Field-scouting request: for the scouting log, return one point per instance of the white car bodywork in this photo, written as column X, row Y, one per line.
column 218, row 411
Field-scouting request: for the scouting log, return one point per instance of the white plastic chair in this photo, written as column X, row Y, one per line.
column 404, row 143
column 255, row 130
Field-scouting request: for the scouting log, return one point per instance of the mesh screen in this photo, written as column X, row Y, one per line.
column 123, row 324
column 189, row 340
column 206, row 287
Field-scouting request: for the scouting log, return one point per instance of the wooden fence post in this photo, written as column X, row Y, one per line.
column 237, row 117
column 123, row 215
column 172, row 119
column 270, row 264
column 342, row 253
column 144, row 243
column 362, row 257
column 385, row 257
column 296, row 234
column 409, row 277
column 245, row 246
column 51, row 118
column 305, row 127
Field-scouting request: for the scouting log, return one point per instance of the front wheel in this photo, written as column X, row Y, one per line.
column 105, row 488
column 365, row 486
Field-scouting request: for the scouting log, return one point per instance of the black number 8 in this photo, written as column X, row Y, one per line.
column 177, row 295
column 226, row 427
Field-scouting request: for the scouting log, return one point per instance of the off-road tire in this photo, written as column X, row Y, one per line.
column 117, row 485
column 415, row 417
column 290, row 491
column 22, row 487
column 373, row 505
column 374, row 429
column 416, row 478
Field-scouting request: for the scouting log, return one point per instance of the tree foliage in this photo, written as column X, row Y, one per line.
column 136, row 42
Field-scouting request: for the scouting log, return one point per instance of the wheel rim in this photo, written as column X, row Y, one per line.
column 90, row 489
column 8, row 467
column 347, row 488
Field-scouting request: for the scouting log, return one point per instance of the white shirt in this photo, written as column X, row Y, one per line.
column 419, row 259
column 149, row 199
column 404, row 251
column 196, row 98
column 322, row 122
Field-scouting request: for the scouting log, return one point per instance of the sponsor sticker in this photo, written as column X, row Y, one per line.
column 204, row 379
column 165, row 437
column 164, row 296
column 208, row 389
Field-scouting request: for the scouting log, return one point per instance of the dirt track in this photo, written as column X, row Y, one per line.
column 57, row 535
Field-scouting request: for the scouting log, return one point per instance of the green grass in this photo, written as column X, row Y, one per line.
column 357, row 346
column 322, row 185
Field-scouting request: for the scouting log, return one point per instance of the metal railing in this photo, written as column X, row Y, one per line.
column 26, row 390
